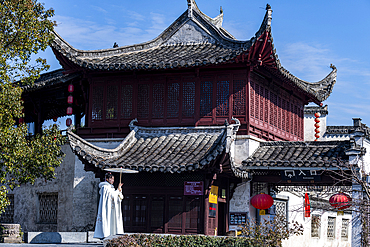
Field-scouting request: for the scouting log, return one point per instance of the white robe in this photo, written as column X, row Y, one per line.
column 109, row 219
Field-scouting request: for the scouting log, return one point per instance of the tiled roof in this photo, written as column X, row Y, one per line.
column 50, row 79
column 172, row 149
column 314, row 109
column 302, row 155
column 207, row 43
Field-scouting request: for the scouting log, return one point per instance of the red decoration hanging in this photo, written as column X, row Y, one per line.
column 307, row 207
column 70, row 99
column 262, row 201
column 68, row 122
column 21, row 120
column 317, row 126
column 340, row 201
column 55, row 118
column 69, row 110
column 71, row 88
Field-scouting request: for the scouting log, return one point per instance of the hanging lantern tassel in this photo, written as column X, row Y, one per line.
column 307, row 207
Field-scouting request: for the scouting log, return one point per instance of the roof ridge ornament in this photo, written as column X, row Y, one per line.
column 191, row 4
column 131, row 124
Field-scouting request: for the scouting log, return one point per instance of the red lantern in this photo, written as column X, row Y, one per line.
column 70, row 99
column 317, row 114
column 340, row 201
column 262, row 201
column 307, row 207
column 69, row 111
column 317, row 125
column 55, row 118
column 317, row 131
column 71, row 88
column 317, row 120
column 317, row 135
column 68, row 122
column 21, row 120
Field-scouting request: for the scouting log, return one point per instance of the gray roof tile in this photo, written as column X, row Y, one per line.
column 297, row 154
column 157, row 149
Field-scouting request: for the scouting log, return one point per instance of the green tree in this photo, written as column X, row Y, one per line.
column 25, row 29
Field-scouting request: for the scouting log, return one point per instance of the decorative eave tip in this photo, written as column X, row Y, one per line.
column 268, row 15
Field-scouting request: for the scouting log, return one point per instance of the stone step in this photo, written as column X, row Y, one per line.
column 61, row 237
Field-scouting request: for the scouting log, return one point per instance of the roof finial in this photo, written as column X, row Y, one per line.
column 332, row 66
column 115, row 45
column 190, row 8
column 268, row 6
column 221, row 10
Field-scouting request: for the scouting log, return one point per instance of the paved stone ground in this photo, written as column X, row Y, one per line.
column 53, row 245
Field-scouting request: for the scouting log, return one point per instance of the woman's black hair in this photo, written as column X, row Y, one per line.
column 108, row 175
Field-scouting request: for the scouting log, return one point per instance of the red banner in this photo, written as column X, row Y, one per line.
column 307, row 208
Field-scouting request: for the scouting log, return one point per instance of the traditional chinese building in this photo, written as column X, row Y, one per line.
column 191, row 111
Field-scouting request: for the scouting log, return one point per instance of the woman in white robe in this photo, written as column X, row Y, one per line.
column 109, row 219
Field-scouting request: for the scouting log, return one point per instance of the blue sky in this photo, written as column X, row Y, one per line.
column 308, row 37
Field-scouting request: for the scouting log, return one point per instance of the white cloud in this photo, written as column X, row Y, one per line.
column 90, row 35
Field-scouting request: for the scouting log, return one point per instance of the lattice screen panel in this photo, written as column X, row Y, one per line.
column 188, row 100
column 222, row 100
column 315, row 226
column 158, row 101
column 126, row 101
column 344, row 231
column 48, row 208
column 238, row 97
column 143, row 101
column 280, row 208
column 331, row 228
column 173, row 100
column 97, row 102
column 206, row 92
column 112, row 102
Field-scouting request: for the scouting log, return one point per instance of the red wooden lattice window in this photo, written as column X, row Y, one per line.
column 156, row 216
column 267, row 105
column 192, row 213
column 262, row 102
column 273, row 109
column 279, row 113
column 256, row 101
column 173, row 93
column 139, row 217
column 126, row 101
column 158, row 101
column 143, row 101
column 239, row 97
column 222, row 98
column 97, row 102
column 112, row 102
column 175, row 209
column 284, row 115
column 206, row 89
column 188, row 99
column 252, row 99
